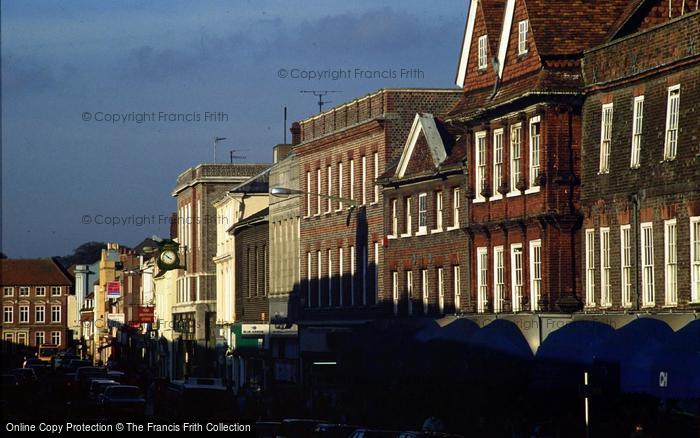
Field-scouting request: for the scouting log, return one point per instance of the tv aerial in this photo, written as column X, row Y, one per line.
column 320, row 94
column 233, row 156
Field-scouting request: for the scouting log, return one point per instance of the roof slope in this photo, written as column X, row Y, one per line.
column 33, row 272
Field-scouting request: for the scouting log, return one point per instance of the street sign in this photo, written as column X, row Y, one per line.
column 146, row 314
column 114, row 289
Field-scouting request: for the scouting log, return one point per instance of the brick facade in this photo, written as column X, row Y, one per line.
column 374, row 127
column 30, row 289
column 657, row 189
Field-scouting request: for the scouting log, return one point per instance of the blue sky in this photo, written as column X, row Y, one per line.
column 61, row 59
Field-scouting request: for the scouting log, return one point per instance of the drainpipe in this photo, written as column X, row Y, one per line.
column 635, row 232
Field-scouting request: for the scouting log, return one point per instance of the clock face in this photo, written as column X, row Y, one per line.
column 168, row 257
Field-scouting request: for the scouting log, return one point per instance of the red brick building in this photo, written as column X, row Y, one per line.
column 425, row 262
column 341, row 153
column 34, row 302
column 640, row 190
column 520, row 69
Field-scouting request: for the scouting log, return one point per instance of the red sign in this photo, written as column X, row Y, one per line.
column 146, row 314
column 114, row 289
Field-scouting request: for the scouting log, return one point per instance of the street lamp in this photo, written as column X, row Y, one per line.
column 284, row 191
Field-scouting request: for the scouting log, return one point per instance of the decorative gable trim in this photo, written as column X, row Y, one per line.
column 505, row 36
column 466, row 44
column 424, row 123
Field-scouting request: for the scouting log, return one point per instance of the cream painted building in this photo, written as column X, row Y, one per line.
column 237, row 204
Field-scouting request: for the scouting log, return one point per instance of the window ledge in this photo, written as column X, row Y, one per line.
column 453, row 228
column 670, row 306
column 338, row 210
column 392, row 237
column 606, row 172
column 648, row 306
column 478, row 200
column 406, row 235
column 373, row 203
column 437, row 230
column 532, row 190
column 496, row 197
column 422, row 233
column 636, row 166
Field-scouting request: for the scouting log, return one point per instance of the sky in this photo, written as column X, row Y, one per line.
column 105, row 103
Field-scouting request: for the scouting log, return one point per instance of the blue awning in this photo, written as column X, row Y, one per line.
column 676, row 369
column 634, row 347
column 501, row 337
column 577, row 342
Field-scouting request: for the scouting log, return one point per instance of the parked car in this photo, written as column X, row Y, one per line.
column 25, row 376
column 197, row 397
column 74, row 364
column 98, row 386
column 63, row 361
column 33, row 362
column 84, row 375
column 122, row 400
column 116, row 375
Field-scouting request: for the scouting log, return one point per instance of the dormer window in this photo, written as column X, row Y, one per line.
column 483, row 52
column 522, row 37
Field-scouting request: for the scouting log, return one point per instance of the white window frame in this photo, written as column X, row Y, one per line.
column 671, row 262
column 329, row 191
column 55, row 291
column 5, row 314
column 364, row 180
column 330, row 277
column 56, row 338
column 8, row 291
column 438, row 212
column 479, row 166
column 647, row 258
column 422, row 214
column 522, row 37
column 319, row 272
column 482, row 52
column 309, row 265
column 353, row 267
column 37, row 313
column 40, row 291
column 515, row 146
column 394, row 219
column 56, row 310
column 408, row 217
column 340, row 185
column 499, row 283
column 516, row 270
column 376, row 175
column 605, row 268
column 24, row 311
column 376, row 273
column 425, row 289
column 352, row 179
column 482, row 270
column 606, row 126
column 9, row 337
column 536, row 266
column 409, row 291
column 694, row 259
column 455, row 209
column 672, row 122
column 308, row 194
column 637, row 130
column 24, row 291
column 441, row 289
column 535, row 148
column 590, row 267
column 319, row 192
column 497, row 164
column 37, row 335
column 626, row 264
column 395, row 290
column 340, row 275
column 456, row 285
